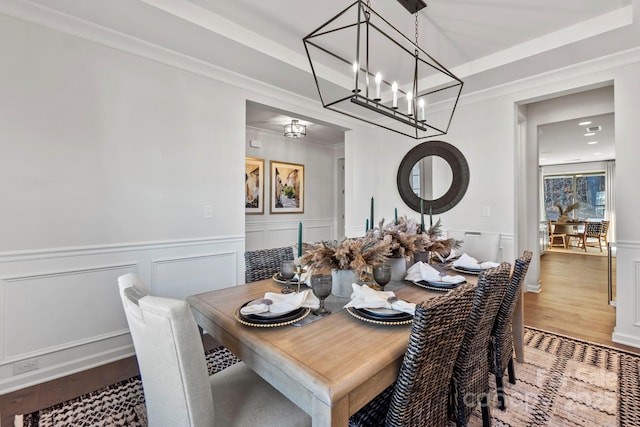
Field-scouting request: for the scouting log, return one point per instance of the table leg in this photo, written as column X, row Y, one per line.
column 330, row 416
column 517, row 328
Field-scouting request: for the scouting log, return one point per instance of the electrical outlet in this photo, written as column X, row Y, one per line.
column 207, row 211
column 25, row 366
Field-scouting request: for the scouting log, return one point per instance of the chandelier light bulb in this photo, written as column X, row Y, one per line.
column 409, row 97
column 394, row 89
column 421, row 105
column 378, row 80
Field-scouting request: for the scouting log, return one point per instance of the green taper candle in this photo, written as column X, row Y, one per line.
column 300, row 240
column 372, row 212
column 422, row 215
column 396, row 215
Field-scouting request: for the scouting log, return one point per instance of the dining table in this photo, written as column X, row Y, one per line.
column 330, row 367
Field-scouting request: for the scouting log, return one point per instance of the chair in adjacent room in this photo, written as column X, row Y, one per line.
column 264, row 263
column 177, row 388
column 557, row 239
column 591, row 236
column 419, row 396
column 501, row 342
column 470, row 380
column 604, row 232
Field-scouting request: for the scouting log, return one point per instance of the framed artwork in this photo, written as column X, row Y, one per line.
column 287, row 188
column 254, row 186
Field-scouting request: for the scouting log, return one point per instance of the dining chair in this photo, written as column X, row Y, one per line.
column 592, row 230
column 264, row 263
column 483, row 246
column 177, row 388
column 556, row 239
column 419, row 396
column 470, row 380
column 501, row 342
column 604, row 231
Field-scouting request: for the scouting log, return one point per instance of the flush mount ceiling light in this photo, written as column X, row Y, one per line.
column 295, row 129
column 367, row 69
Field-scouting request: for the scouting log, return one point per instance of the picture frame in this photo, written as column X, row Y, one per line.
column 286, row 188
column 254, row 186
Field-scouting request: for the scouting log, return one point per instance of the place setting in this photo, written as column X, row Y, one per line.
column 379, row 307
column 467, row 264
column 428, row 277
column 290, row 274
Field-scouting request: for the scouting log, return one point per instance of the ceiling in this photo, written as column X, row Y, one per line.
column 484, row 42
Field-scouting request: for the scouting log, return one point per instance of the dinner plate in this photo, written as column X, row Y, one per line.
column 464, row 270
column 278, row 278
column 361, row 314
column 437, row 286
column 279, row 320
column 383, row 312
column 268, row 314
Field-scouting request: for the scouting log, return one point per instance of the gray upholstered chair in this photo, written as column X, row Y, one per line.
column 501, row 344
column 264, row 263
column 483, row 246
column 177, row 388
column 470, row 380
column 419, row 396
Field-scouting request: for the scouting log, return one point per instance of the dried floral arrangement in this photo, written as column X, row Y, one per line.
column 348, row 254
column 406, row 240
column 564, row 212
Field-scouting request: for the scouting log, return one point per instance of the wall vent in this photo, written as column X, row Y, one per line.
column 594, row 129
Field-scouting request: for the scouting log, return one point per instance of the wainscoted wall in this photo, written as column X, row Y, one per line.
column 273, row 233
column 627, row 330
column 62, row 311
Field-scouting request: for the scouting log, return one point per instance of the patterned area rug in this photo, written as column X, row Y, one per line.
column 564, row 382
column 121, row 404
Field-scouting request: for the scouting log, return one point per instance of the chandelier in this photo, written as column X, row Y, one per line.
column 295, row 129
column 367, row 69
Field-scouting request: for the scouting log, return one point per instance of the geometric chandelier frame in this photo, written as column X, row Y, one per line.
column 365, row 68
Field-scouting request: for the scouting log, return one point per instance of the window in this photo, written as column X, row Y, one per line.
column 588, row 190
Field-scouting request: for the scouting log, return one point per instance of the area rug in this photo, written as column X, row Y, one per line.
column 564, row 382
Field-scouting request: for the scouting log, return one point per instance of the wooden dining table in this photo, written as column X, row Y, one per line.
column 330, row 368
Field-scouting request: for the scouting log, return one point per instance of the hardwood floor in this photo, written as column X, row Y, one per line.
column 573, row 302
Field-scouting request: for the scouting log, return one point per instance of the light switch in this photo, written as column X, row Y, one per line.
column 207, row 211
column 486, row 210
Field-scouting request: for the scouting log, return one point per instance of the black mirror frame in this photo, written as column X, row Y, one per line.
column 459, row 184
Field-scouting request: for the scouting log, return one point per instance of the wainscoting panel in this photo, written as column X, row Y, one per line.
column 279, row 233
column 61, row 310
column 181, row 277
column 627, row 285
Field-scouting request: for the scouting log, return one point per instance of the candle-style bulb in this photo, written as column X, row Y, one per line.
column 421, row 105
column 378, row 80
column 394, row 89
column 409, row 97
column 355, row 67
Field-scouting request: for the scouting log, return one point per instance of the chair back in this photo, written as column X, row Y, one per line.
column 592, row 229
column 483, row 246
column 264, row 263
column 420, row 394
column 501, row 334
column 604, row 229
column 470, row 380
column 170, row 355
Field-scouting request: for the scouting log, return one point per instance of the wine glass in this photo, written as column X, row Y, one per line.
column 287, row 272
column 321, row 287
column 382, row 275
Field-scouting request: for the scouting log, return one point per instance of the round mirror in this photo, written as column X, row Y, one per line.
column 431, row 177
column 435, row 172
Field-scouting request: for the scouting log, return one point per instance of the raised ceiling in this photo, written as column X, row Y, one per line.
column 484, row 42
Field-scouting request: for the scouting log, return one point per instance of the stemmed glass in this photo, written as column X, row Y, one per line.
column 382, row 275
column 287, row 272
column 321, row 287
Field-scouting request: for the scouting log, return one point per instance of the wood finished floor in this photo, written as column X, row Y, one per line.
column 573, row 302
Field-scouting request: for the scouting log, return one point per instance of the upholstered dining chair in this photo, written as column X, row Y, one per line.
column 482, row 245
column 470, row 380
column 501, row 343
column 177, row 388
column 419, row 397
column 264, row 263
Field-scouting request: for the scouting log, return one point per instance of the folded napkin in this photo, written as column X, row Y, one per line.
column 421, row 271
column 282, row 303
column 453, row 254
column 365, row 297
column 466, row 261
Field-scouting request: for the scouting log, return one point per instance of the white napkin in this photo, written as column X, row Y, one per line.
column 282, row 303
column 449, row 257
column 466, row 261
column 365, row 297
column 421, row 271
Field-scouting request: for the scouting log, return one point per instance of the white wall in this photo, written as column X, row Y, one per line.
column 319, row 220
